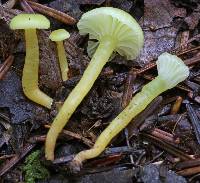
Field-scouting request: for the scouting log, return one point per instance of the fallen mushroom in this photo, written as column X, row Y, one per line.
column 58, row 36
column 31, row 22
column 116, row 31
column 171, row 71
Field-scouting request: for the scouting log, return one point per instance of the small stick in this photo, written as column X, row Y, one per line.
column 10, row 4
column 37, row 138
column 14, row 160
column 189, row 171
column 188, row 62
column 165, row 136
column 75, row 135
column 6, row 66
column 177, row 105
column 58, row 15
column 188, row 50
column 167, row 146
column 25, row 6
column 127, row 94
column 195, row 121
column 187, row 164
column 6, row 156
column 146, row 68
column 124, row 150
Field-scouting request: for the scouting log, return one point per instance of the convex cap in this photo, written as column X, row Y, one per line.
column 29, row 21
column 59, row 35
column 116, row 24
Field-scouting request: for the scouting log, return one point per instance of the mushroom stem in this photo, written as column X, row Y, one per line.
column 63, row 60
column 101, row 56
column 30, row 71
column 137, row 104
column 171, row 71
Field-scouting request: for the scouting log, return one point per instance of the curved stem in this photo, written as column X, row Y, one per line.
column 91, row 73
column 137, row 105
column 62, row 60
column 30, row 71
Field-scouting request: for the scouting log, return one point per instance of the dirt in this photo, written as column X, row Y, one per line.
column 156, row 140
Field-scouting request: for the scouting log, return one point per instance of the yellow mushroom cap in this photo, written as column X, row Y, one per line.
column 59, row 35
column 116, row 24
column 29, row 21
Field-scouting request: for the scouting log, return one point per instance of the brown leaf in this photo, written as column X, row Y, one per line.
column 159, row 31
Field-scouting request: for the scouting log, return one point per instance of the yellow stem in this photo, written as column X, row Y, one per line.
column 62, row 60
column 30, row 71
column 91, row 73
column 137, row 105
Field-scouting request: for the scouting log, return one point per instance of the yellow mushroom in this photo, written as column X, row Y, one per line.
column 31, row 22
column 58, row 36
column 116, row 31
column 171, row 71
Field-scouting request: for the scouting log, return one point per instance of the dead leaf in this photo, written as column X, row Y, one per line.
column 159, row 31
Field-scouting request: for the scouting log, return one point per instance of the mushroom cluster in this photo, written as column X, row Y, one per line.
column 31, row 22
column 114, row 31
column 171, row 71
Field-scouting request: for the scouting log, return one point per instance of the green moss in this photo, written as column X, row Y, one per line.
column 33, row 168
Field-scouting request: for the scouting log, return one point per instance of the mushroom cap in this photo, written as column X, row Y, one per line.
column 115, row 23
column 29, row 21
column 59, row 35
column 171, row 69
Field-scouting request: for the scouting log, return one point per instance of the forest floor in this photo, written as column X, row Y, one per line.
column 161, row 144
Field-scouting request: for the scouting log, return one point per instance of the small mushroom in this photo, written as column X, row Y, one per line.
column 116, row 31
column 59, row 36
column 171, row 71
column 31, row 22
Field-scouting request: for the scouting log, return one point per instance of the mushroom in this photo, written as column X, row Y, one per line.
column 31, row 22
column 58, row 36
column 116, row 31
column 171, row 71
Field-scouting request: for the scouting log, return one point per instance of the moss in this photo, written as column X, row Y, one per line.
column 33, row 168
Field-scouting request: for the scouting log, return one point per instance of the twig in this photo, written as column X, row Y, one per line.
column 127, row 94
column 105, row 161
column 6, row 66
column 77, row 136
column 165, row 136
column 146, row 68
column 167, row 146
column 10, row 4
column 189, row 171
column 188, row 50
column 58, row 15
column 25, row 6
column 107, row 152
column 188, row 62
column 195, row 121
column 187, row 164
column 6, row 156
column 14, row 160
column 37, row 138
column 177, row 105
